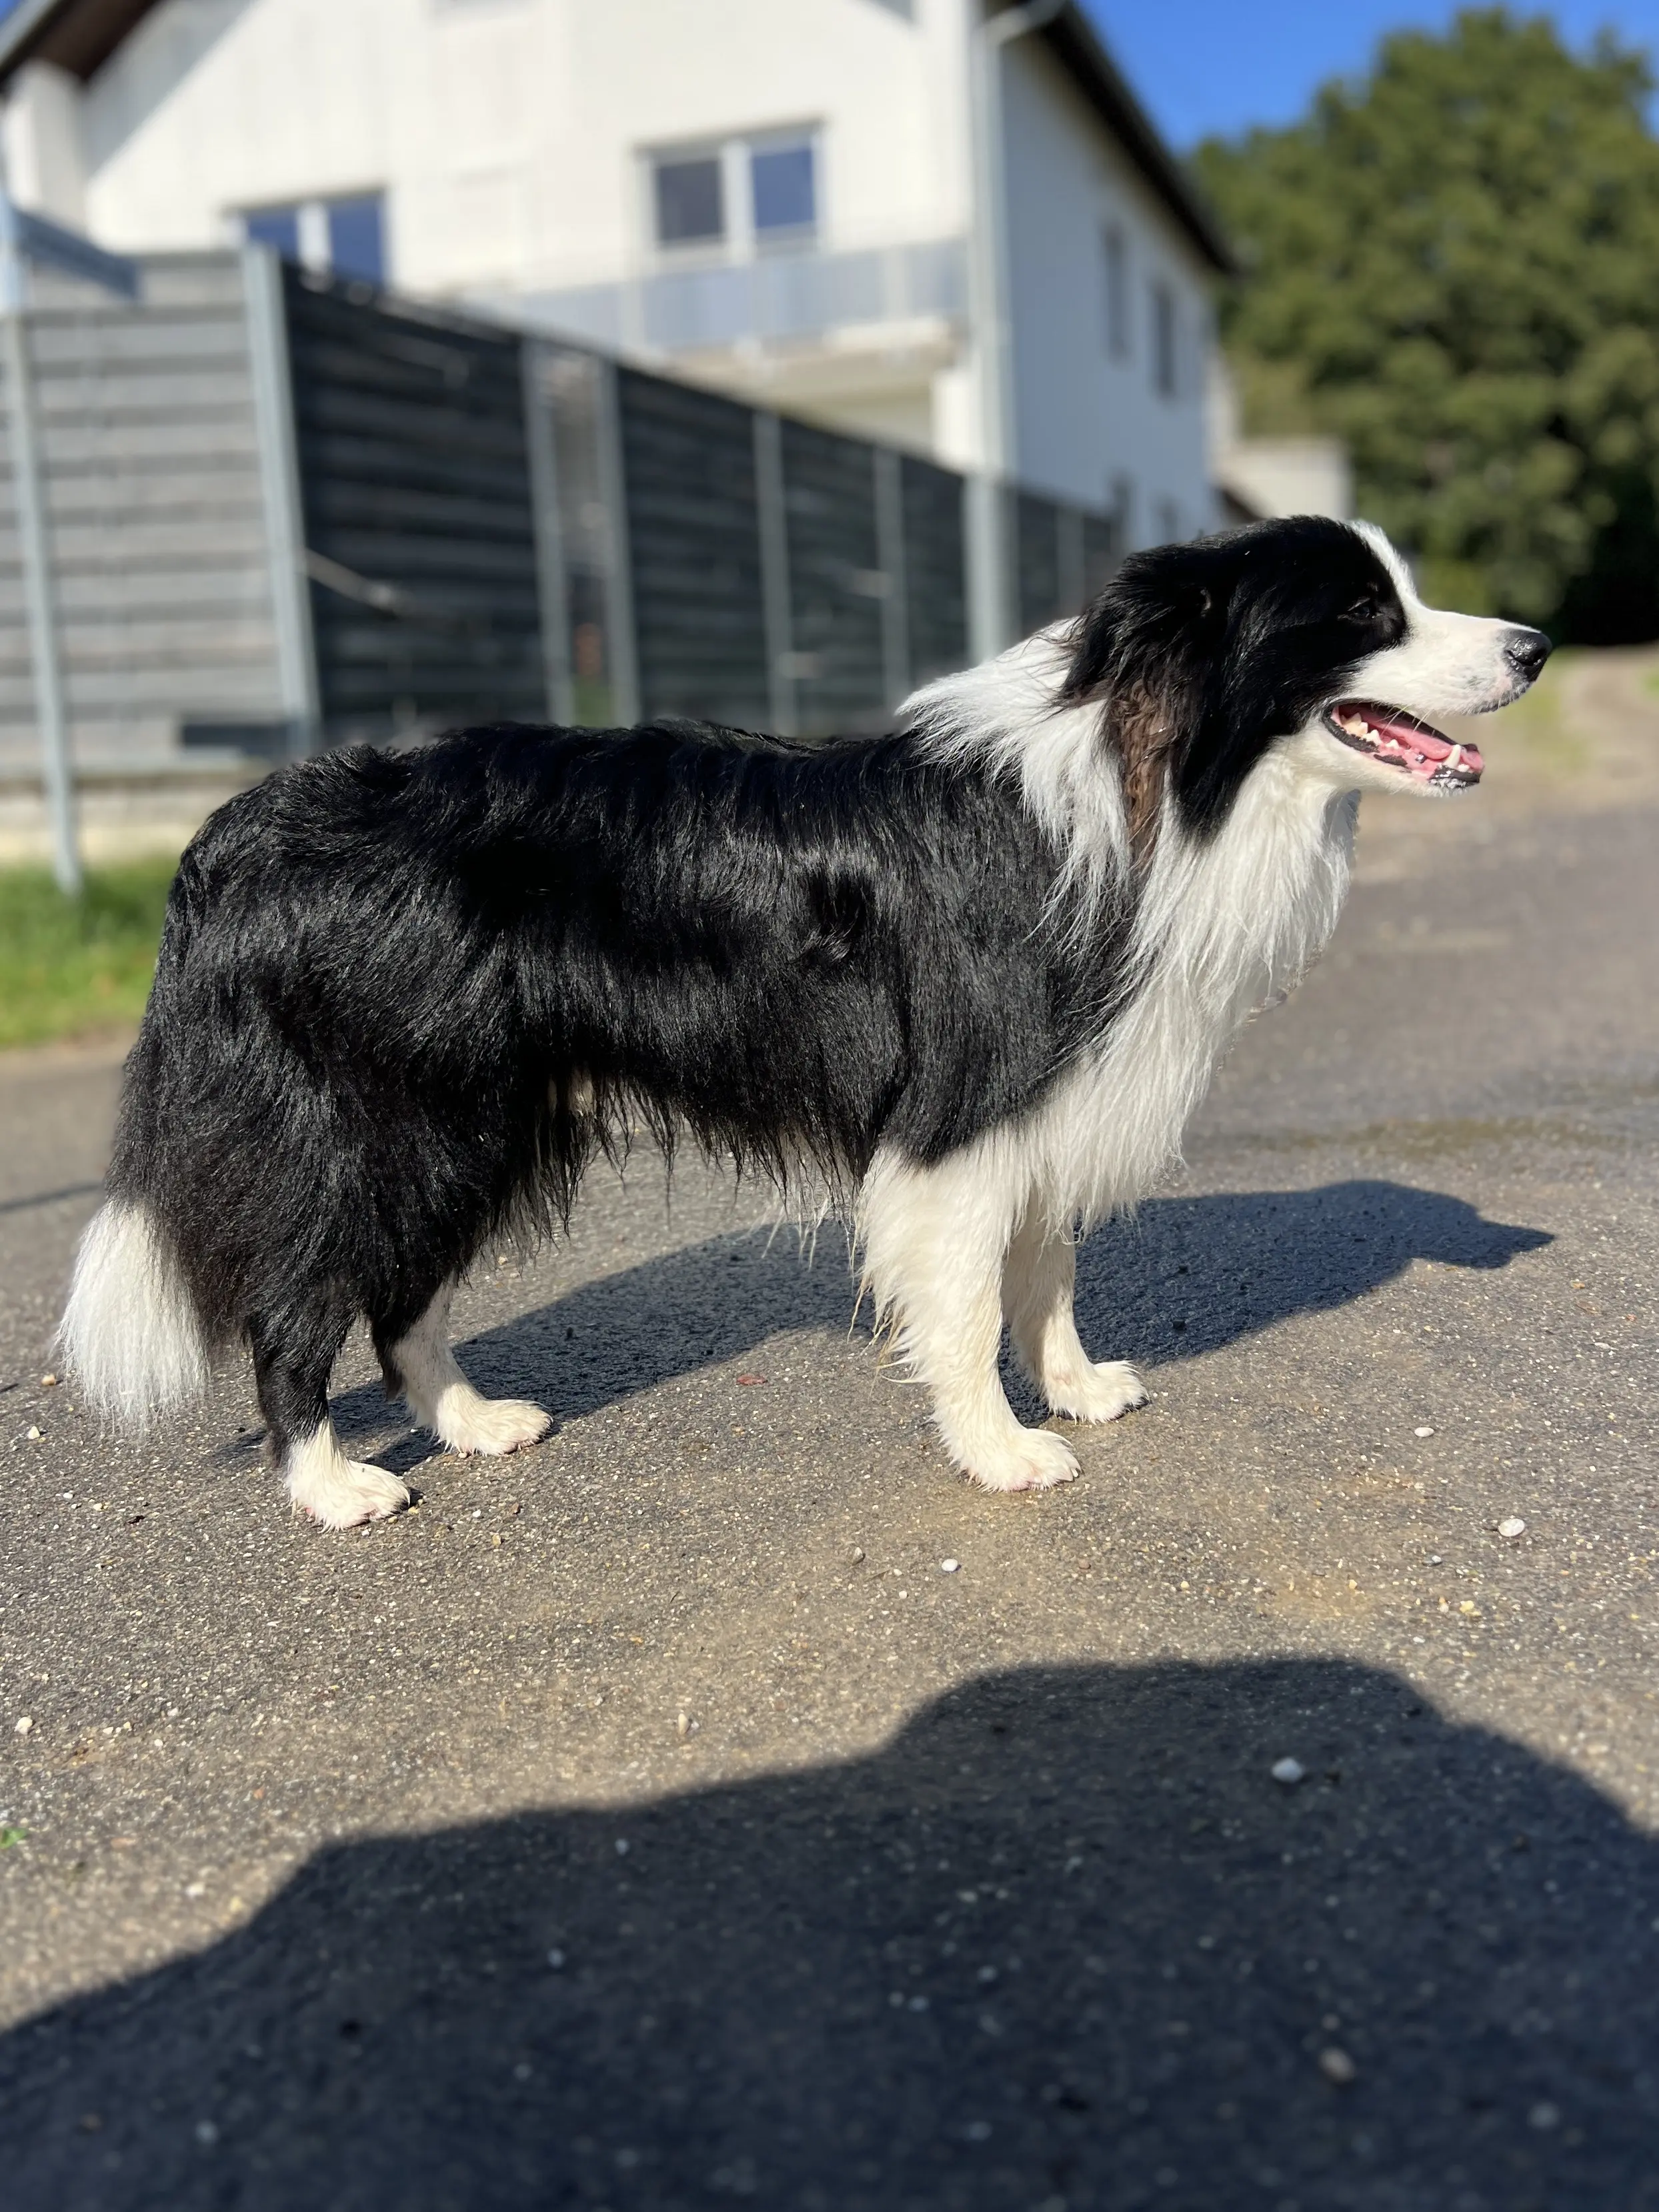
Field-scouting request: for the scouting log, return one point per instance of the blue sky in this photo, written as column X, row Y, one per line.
column 1205, row 65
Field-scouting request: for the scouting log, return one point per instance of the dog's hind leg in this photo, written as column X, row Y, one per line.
column 1038, row 1283
column 421, row 1364
column 934, row 1244
column 294, row 1355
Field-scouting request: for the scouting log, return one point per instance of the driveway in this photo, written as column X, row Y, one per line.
column 657, row 1819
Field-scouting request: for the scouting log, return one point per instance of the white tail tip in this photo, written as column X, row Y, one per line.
column 129, row 1333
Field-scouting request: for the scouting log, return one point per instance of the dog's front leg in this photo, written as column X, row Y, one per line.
column 1038, row 1286
column 935, row 1240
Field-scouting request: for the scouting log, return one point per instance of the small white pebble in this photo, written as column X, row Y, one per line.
column 195, row 1888
column 206, row 2133
column 521, row 2072
column 950, row 1566
column 1422, row 1432
column 24, row 1725
column 33, row 1433
column 1544, row 2116
column 48, row 1382
column 622, row 1847
column 1290, row 1771
column 1336, row 2066
column 555, row 1960
column 1514, row 1527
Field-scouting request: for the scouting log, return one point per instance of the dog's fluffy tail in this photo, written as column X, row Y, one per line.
column 130, row 1333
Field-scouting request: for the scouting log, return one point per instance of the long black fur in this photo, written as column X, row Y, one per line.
column 403, row 997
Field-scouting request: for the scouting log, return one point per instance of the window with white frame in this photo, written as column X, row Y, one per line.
column 1166, row 341
column 743, row 196
column 346, row 237
column 1116, row 273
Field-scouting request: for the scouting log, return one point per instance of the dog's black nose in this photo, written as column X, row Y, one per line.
column 1526, row 651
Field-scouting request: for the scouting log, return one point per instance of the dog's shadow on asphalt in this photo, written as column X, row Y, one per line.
column 1063, row 1943
column 1186, row 1276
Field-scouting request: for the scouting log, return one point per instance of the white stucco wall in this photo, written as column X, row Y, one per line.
column 506, row 133
column 507, row 137
column 1084, row 420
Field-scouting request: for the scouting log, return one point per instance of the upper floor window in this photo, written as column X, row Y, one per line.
column 1116, row 271
column 346, row 236
column 1165, row 341
column 784, row 186
column 743, row 196
column 690, row 200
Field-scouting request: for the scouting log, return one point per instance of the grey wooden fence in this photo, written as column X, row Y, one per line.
column 285, row 512
column 159, row 550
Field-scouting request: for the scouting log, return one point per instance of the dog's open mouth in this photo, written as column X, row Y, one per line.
column 1391, row 735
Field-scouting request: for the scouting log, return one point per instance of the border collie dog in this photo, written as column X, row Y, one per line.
column 968, row 980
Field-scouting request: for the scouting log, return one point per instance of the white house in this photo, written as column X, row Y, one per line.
column 948, row 226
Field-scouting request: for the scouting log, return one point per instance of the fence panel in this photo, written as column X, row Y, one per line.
column 419, row 537
column 836, row 581
column 935, row 570
column 693, row 533
column 158, row 552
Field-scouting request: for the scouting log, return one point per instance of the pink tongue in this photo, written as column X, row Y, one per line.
column 1414, row 739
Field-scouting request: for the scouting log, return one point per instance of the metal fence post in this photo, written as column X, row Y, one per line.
column 1069, row 564
column 622, row 641
column 552, row 583
column 279, row 478
column 777, row 612
column 890, row 556
column 35, row 546
column 988, row 544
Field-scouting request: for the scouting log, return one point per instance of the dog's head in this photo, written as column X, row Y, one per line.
column 1302, row 636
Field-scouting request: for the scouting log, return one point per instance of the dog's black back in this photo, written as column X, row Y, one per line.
column 402, row 997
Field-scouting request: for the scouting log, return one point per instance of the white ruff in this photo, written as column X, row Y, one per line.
column 1005, row 711
column 1223, row 928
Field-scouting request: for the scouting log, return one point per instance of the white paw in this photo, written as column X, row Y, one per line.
column 1101, row 1393
column 344, row 1493
column 495, row 1426
column 1036, row 1461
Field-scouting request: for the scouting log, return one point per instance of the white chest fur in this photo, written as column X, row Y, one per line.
column 1225, row 928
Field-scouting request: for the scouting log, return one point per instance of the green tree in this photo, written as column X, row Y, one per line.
column 1454, row 263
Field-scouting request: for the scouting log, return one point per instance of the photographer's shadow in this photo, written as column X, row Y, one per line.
column 1186, row 1276
column 1065, row 1941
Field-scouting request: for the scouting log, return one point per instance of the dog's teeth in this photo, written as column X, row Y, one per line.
column 1455, row 758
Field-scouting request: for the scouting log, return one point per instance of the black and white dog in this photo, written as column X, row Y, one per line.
column 969, row 979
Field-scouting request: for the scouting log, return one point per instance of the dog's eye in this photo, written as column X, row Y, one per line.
column 1363, row 610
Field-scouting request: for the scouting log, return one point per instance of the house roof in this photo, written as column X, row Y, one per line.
column 80, row 35
column 1075, row 44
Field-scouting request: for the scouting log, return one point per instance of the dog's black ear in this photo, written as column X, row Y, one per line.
column 1148, row 650
column 1152, row 626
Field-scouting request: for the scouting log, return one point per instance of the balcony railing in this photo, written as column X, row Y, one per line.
column 783, row 297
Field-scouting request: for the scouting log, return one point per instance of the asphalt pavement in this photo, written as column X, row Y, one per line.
column 723, row 1803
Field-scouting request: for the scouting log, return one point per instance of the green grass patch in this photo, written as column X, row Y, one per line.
column 70, row 965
